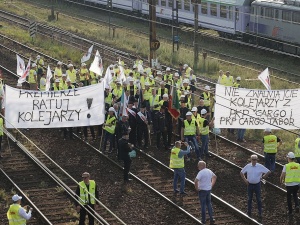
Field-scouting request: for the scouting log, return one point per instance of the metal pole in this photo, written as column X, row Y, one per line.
column 173, row 26
column 196, row 57
column 152, row 15
column 177, row 23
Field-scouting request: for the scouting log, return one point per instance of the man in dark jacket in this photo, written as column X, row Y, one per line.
column 124, row 148
column 160, row 127
column 143, row 119
column 122, row 126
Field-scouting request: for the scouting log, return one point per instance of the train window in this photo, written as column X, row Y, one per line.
column 179, row 5
column 223, row 11
column 237, row 15
column 296, row 17
column 276, row 14
column 170, row 3
column 286, row 16
column 253, row 10
column 269, row 13
column 230, row 10
column 261, row 11
column 204, row 8
column 213, row 9
column 187, row 4
column 163, row 3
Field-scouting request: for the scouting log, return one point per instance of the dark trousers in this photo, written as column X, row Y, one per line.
column 111, row 138
column 70, row 132
column 169, row 133
column 142, row 133
column 254, row 188
column 91, row 129
column 292, row 191
column 83, row 213
column 127, row 164
column 132, row 135
column 162, row 134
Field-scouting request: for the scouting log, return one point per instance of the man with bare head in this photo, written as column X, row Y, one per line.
column 204, row 182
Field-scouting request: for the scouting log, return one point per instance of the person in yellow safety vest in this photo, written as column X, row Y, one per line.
column 204, row 132
column 93, row 78
column 127, row 70
column 158, row 77
column 117, row 92
column 58, row 70
column 168, row 76
column 222, row 77
column 40, row 64
column 297, row 149
column 147, row 92
column 196, row 116
column 136, row 74
column 131, row 87
column 237, row 83
column 147, row 70
column 17, row 214
column 1, row 135
column 84, row 75
column 142, row 80
column 271, row 142
column 177, row 81
column 290, row 175
column 206, row 96
column 150, row 80
column 43, row 82
column 177, row 164
column 116, row 70
column 72, row 73
column 185, row 85
column 189, row 130
column 56, row 86
column 187, row 70
column 63, row 82
column 154, row 102
column 108, row 98
column 87, row 192
column 189, row 104
column 69, row 84
column 229, row 81
column 109, row 128
column 162, row 90
column 32, row 79
column 138, row 61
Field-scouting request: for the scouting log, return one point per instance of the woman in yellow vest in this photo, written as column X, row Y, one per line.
column 43, row 82
column 32, row 79
column 58, row 71
column 291, row 177
column 72, row 74
column 109, row 128
column 17, row 215
column 84, row 75
column 204, row 132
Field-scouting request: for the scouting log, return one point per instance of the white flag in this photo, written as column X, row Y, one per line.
column 265, row 78
column 122, row 76
column 20, row 66
column 108, row 76
column 87, row 55
column 97, row 66
column 48, row 78
column 22, row 79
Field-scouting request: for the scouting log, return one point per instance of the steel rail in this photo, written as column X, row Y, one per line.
column 140, row 181
column 26, row 198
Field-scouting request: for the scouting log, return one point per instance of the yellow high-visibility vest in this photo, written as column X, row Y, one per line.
column 72, row 75
column 175, row 161
column 203, row 130
column 154, row 101
column 43, row 87
column 83, row 73
column 1, row 126
column 292, row 172
column 190, row 128
column 93, row 77
column 32, row 74
column 117, row 92
column 297, row 149
column 108, row 99
column 111, row 120
column 206, row 98
column 162, row 91
column 58, row 72
column 270, row 143
column 13, row 215
column 84, row 195
column 197, row 118
column 147, row 93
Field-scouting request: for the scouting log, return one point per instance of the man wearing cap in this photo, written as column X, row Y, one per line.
column 297, row 149
column 204, row 182
column 154, row 103
column 17, row 214
column 228, row 81
column 290, row 175
column 187, row 69
column 204, row 133
column 177, row 81
column 271, row 143
column 132, row 114
column 206, row 96
column 71, row 73
column 189, row 131
column 69, row 84
column 237, row 83
column 168, row 78
column 182, row 112
column 177, row 164
column 117, row 92
column 40, row 63
column 124, row 147
column 131, row 87
column 185, row 85
column 56, row 85
column 84, row 75
column 109, row 127
column 63, row 82
column 162, row 90
column 43, row 82
column 86, row 193
column 58, row 70
column 108, row 98
column 32, row 79
column 255, row 173
column 143, row 120
column 202, row 106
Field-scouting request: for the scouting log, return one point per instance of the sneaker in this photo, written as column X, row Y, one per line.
column 176, row 192
column 183, row 194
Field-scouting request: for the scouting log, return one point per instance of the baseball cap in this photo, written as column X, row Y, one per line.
column 194, row 109
column 291, row 155
column 168, row 69
column 165, row 96
column 111, row 109
column 238, row 78
column 268, row 130
column 85, row 174
column 16, row 197
column 188, row 114
column 203, row 111
column 207, row 88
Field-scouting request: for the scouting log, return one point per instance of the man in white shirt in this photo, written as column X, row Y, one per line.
column 16, row 214
column 255, row 172
column 204, row 182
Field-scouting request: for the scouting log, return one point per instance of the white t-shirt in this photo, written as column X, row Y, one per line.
column 290, row 183
column 254, row 173
column 204, row 179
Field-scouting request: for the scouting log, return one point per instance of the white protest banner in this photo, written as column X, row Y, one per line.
column 257, row 109
column 54, row 109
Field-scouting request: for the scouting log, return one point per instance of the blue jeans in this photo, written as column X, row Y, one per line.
column 241, row 134
column 270, row 161
column 111, row 138
column 254, row 188
column 192, row 138
column 179, row 173
column 204, row 146
column 205, row 200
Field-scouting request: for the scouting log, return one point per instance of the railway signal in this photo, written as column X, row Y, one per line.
column 32, row 29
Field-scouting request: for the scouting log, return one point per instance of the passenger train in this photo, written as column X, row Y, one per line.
column 270, row 23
